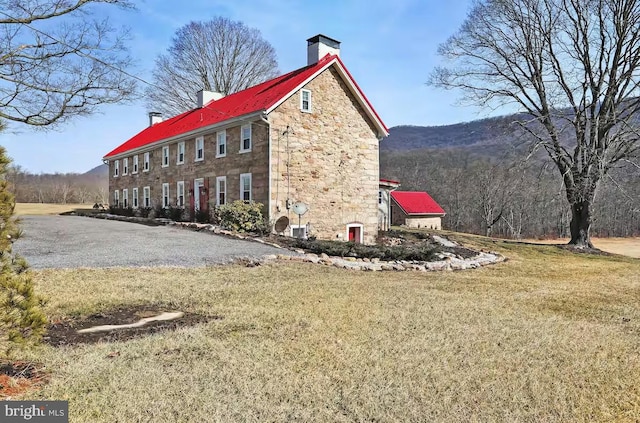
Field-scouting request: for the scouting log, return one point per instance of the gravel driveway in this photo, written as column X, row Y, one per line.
column 72, row 241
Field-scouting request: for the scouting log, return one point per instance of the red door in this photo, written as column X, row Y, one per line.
column 354, row 234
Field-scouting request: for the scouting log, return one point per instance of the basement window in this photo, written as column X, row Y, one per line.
column 299, row 231
column 305, row 101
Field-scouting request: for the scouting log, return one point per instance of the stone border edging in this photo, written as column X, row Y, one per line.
column 449, row 261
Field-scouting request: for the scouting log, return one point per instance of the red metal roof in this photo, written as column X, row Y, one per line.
column 252, row 100
column 416, row 202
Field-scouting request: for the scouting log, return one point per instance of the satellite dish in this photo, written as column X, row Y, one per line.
column 281, row 224
column 299, row 208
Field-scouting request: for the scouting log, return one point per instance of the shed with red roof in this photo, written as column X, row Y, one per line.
column 415, row 209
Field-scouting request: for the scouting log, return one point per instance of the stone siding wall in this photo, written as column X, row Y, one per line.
column 327, row 159
column 231, row 166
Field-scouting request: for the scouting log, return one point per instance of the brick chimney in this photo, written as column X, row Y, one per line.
column 206, row 96
column 319, row 46
column 154, row 117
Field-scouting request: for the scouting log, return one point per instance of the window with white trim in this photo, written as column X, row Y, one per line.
column 165, row 195
column 125, row 198
column 146, row 196
column 180, row 194
column 135, row 164
column 134, row 198
column 165, row 156
column 116, row 168
column 180, row 158
column 199, row 149
column 116, row 198
column 245, row 187
column 299, row 231
column 305, row 101
column 221, row 190
column 125, row 166
column 380, row 196
column 245, row 138
column 145, row 162
column 221, row 143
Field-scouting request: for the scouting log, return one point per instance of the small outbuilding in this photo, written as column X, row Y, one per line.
column 415, row 209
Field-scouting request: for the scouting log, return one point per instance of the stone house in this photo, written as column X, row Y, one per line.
column 415, row 210
column 309, row 136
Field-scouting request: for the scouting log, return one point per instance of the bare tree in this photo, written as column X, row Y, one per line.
column 57, row 62
column 574, row 67
column 219, row 55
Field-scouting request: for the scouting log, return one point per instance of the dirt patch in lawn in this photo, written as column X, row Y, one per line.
column 65, row 331
column 18, row 377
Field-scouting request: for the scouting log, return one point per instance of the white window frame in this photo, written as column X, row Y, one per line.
column 180, row 150
column 303, row 227
column 125, row 166
column 220, row 179
column 146, row 165
column 221, row 140
column 116, row 168
column 116, row 198
column 125, row 198
column 243, row 177
column 165, row 156
column 355, row 225
column 134, row 198
column 308, row 109
column 242, row 138
column 146, row 196
column 134, row 170
column 165, row 195
column 199, row 142
column 180, row 193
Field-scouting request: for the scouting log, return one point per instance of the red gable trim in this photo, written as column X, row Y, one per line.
column 242, row 105
column 416, row 203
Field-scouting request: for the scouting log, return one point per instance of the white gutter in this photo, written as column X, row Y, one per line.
column 155, row 144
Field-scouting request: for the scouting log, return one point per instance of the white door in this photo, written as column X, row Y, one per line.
column 197, row 188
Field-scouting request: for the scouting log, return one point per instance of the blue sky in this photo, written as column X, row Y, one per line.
column 389, row 47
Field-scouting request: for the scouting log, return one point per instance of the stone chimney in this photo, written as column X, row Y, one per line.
column 154, row 117
column 319, row 46
column 206, row 96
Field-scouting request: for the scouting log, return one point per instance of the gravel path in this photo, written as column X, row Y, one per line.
column 72, row 241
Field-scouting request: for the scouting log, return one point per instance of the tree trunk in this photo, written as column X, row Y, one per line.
column 581, row 224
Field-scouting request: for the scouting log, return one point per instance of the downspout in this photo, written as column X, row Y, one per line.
column 265, row 118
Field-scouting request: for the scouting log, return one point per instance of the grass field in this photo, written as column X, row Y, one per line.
column 546, row 336
column 23, row 209
column 625, row 246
